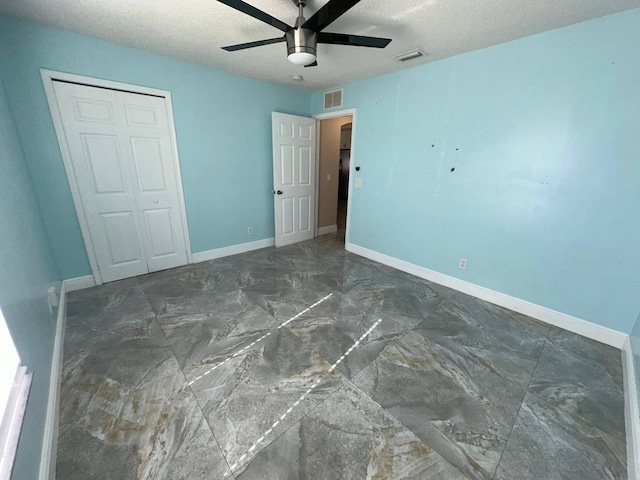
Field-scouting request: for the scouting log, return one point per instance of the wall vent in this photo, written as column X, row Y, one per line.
column 333, row 99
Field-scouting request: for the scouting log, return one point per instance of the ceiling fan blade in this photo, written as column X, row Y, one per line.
column 328, row 13
column 314, row 64
column 242, row 46
column 256, row 13
column 356, row 40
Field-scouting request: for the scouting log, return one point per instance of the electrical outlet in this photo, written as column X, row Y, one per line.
column 463, row 263
column 358, row 183
column 249, row 231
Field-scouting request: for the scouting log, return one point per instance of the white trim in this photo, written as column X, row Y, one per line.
column 100, row 82
column 338, row 113
column 48, row 77
column 631, row 411
column 327, row 229
column 50, row 437
column 181, row 203
column 325, row 116
column 316, row 187
column 582, row 327
column 233, row 250
column 78, row 283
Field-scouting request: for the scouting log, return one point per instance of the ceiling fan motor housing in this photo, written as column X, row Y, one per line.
column 301, row 40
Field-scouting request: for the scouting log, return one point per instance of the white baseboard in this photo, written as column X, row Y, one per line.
column 78, row 283
column 88, row 281
column 631, row 412
column 327, row 229
column 232, row 250
column 50, row 438
column 585, row 328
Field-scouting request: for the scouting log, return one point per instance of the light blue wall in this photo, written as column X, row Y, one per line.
column 223, row 125
column 544, row 136
column 27, row 269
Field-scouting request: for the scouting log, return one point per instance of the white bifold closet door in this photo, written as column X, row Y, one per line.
column 122, row 156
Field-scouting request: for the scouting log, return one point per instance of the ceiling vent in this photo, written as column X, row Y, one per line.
column 333, row 99
column 417, row 53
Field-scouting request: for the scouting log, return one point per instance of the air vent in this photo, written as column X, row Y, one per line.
column 417, row 53
column 333, row 99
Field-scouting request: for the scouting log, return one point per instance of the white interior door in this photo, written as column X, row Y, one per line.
column 123, row 165
column 294, row 170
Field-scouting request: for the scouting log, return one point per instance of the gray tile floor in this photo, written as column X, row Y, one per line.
column 308, row 362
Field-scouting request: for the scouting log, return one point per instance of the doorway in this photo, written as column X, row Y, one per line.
column 343, row 177
column 335, row 154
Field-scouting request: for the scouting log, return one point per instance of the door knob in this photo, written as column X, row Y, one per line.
column 279, row 192
column 155, row 201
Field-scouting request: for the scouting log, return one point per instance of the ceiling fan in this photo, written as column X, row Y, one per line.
column 303, row 38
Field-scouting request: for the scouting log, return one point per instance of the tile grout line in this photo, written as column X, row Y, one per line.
column 386, row 346
column 315, row 407
column 303, row 396
column 575, row 415
column 355, row 345
column 195, row 398
column 204, row 417
column 239, row 352
column 230, row 473
column 189, row 384
column 515, row 419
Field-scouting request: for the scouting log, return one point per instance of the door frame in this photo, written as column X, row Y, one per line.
column 48, row 77
column 327, row 116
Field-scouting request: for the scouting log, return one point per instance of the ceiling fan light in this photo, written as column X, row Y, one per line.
column 301, row 46
column 302, row 58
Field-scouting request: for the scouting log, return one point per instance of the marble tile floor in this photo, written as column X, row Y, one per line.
column 309, row 362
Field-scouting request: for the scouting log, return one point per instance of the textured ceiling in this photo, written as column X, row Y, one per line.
column 194, row 30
